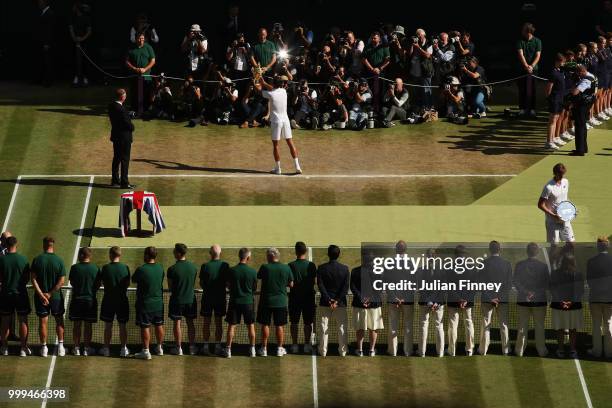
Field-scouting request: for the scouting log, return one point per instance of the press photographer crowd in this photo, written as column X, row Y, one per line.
column 341, row 80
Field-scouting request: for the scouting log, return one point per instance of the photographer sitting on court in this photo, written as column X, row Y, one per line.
column 395, row 103
column 195, row 48
column 332, row 108
column 453, row 101
column 359, row 99
column 473, row 76
column 254, row 106
column 223, row 101
column 305, row 107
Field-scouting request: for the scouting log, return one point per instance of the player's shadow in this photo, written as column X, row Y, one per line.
column 176, row 166
column 85, row 111
column 56, row 182
column 98, row 232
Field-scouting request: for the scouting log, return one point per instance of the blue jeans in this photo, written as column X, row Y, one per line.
column 478, row 102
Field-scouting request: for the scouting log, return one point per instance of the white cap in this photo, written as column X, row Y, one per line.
column 195, row 27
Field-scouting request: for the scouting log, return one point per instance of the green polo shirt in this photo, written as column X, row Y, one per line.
column 213, row 278
column 530, row 48
column 149, row 279
column 182, row 276
column 242, row 284
column 304, row 273
column 115, row 278
column 82, row 278
column 263, row 52
column 14, row 269
column 376, row 56
column 140, row 57
column 275, row 278
column 49, row 268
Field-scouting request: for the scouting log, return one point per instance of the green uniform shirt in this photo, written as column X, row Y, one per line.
column 149, row 279
column 376, row 56
column 14, row 269
column 82, row 279
column 182, row 276
column 275, row 278
column 242, row 283
column 140, row 58
column 263, row 52
column 49, row 268
column 114, row 276
column 530, row 48
column 213, row 278
column 304, row 273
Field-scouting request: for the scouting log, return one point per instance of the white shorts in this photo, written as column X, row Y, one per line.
column 557, row 232
column 368, row 319
column 281, row 129
column 567, row 319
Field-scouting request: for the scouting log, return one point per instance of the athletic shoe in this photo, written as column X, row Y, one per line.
column 603, row 116
column 44, row 351
column 588, row 126
column 143, row 355
column 469, row 353
column 177, row 351
column 608, row 111
column 326, row 127
column 522, row 112
column 483, row 114
column 295, row 349
column 105, row 352
column 280, row 351
column 85, row 82
column 372, row 353
column 573, row 354
column 560, row 354
column 532, row 113
column 4, row 351
column 218, row 349
column 307, row 349
column 262, row 352
column 75, row 81
column 276, row 171
column 61, row 351
column 594, row 122
column 567, row 136
column 551, row 146
column 572, row 131
column 252, row 352
column 76, row 352
column 294, row 124
column 298, row 170
column 227, row 352
column 543, row 354
column 193, row 350
column 359, row 353
column 159, row 350
column 343, row 354
column 89, row 351
column 125, row 352
column 205, row 350
column 24, row 352
column 559, row 142
column 421, row 355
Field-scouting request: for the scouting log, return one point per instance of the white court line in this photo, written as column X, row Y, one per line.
column 11, row 204
column 315, row 380
column 585, row 389
column 74, row 259
column 265, row 175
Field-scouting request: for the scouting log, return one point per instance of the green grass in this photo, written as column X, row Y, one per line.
column 66, row 132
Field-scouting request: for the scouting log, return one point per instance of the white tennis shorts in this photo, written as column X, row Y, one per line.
column 281, row 129
column 557, row 232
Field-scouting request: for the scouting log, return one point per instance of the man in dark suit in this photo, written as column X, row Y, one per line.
column 599, row 279
column 121, row 136
column 333, row 282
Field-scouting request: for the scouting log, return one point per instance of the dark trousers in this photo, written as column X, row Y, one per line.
column 375, row 87
column 121, row 157
column 140, row 94
column 46, row 67
column 527, row 93
column 580, row 113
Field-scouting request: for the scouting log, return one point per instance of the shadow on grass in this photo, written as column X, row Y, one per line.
column 176, row 166
column 56, row 182
column 98, row 232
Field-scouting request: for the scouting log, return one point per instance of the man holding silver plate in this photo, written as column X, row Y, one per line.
column 559, row 211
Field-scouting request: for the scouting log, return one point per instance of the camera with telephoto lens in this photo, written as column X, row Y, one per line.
column 455, row 36
column 394, row 37
column 199, row 36
column 415, row 39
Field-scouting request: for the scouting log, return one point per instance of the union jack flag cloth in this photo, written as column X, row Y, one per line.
column 140, row 200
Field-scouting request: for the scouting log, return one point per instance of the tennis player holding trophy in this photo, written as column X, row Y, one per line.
column 559, row 211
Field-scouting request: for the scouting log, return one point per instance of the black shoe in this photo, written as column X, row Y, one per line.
column 128, row 186
column 576, row 153
column 115, row 185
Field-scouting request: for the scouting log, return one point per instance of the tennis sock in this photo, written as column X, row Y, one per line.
column 297, row 163
column 277, row 165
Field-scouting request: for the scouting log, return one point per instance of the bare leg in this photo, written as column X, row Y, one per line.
column 42, row 329
column 373, row 337
column 191, row 334
column 360, row 334
column 145, row 333
column 275, row 152
column 76, row 333
column 292, row 148
column 552, row 127
column 108, row 333
column 178, row 334
column 280, row 335
column 59, row 328
column 251, row 334
column 230, row 334
column 123, row 333
column 265, row 334
column 159, row 333
column 23, row 331
column 293, row 328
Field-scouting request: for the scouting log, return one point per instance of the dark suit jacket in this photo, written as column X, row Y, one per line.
column 333, row 282
column 531, row 275
column 121, row 123
column 599, row 278
column 496, row 270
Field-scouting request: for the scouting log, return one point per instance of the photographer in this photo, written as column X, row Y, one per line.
column 326, row 65
column 349, row 54
column 80, row 31
column 142, row 25
column 463, row 44
column 333, row 109
column 301, row 39
column 196, row 106
column 305, row 107
column 223, row 101
column 263, row 53
column 395, row 103
column 529, row 50
column 397, row 52
column 473, row 76
column 195, row 48
column 237, row 57
column 443, row 56
column 421, row 69
column 453, row 100
column 376, row 58
column 278, row 32
column 359, row 99
column 254, row 106
column 162, row 105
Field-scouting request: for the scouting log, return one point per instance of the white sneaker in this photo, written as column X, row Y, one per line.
column 227, row 352
column 4, row 351
column 372, row 353
column 307, row 349
column 143, row 355
column 298, row 170
column 75, row 81
column 551, row 146
column 76, row 351
column 483, row 114
column 177, row 351
column 159, row 350
column 594, row 122
column 44, row 351
column 359, row 353
column 469, row 353
column 252, row 352
column 218, row 349
column 608, row 111
column 61, row 351
column 85, row 81
column 193, row 350
column 125, row 352
column 295, row 349
column 104, row 351
column 603, row 116
column 572, row 131
column 567, row 136
column 280, row 351
column 262, row 352
column 89, row 351
column 276, row 171
column 559, row 142
column 588, row 126
column 25, row 352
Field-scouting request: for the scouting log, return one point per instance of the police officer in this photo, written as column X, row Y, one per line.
column 582, row 96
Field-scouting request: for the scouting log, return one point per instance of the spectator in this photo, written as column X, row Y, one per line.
column 254, row 106
column 223, row 101
column 302, row 297
column 237, row 57
column 263, row 55
column 305, row 106
column 45, row 37
column 473, row 77
column 278, row 32
column 421, row 70
column 376, row 59
column 195, row 48
column 529, row 53
column 464, row 46
column 359, row 99
column 599, row 280
column 395, row 103
column 83, row 305
column 453, row 101
column 333, row 282
column 144, row 26
column 367, row 311
column 140, row 59
column 443, row 57
column 213, row 278
column 301, row 39
column 555, row 93
column 80, row 31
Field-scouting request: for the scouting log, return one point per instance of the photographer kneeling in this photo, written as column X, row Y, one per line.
column 305, row 107
column 359, row 99
column 473, row 78
column 223, row 101
column 395, row 103
column 453, row 101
